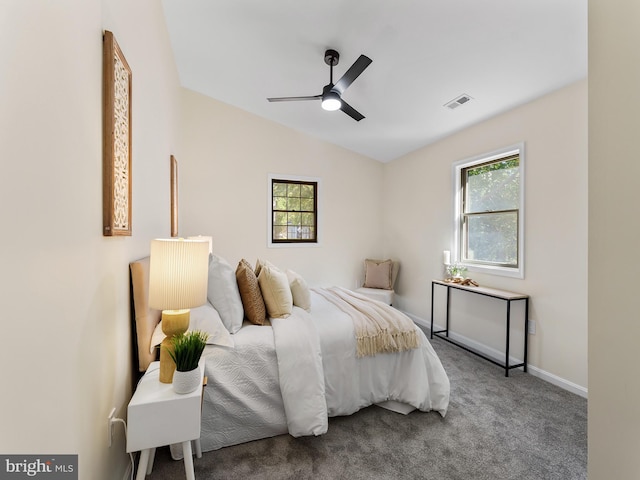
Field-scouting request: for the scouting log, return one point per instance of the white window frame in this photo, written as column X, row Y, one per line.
column 457, row 209
column 293, row 178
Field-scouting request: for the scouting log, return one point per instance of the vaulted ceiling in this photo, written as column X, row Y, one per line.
column 426, row 53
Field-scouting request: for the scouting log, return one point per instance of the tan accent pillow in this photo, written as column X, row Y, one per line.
column 252, row 301
column 377, row 273
column 261, row 263
column 299, row 290
column 276, row 292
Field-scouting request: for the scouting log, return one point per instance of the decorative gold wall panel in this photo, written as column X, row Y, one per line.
column 116, row 140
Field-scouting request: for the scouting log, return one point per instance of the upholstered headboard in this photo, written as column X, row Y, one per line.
column 145, row 318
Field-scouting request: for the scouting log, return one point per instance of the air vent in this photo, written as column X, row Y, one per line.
column 456, row 102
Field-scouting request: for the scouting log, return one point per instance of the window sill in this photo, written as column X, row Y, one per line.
column 270, row 244
column 493, row 270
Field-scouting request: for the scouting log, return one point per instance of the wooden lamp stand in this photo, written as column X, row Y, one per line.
column 174, row 322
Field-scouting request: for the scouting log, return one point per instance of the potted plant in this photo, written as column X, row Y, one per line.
column 187, row 349
column 456, row 270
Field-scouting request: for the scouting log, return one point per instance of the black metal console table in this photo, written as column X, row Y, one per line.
column 488, row 292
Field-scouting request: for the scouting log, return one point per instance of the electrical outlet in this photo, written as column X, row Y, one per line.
column 110, row 423
column 532, row 327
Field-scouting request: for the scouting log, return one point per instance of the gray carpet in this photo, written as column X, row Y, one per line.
column 497, row 428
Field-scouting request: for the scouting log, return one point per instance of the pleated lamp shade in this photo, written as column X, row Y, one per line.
column 178, row 273
column 204, row 238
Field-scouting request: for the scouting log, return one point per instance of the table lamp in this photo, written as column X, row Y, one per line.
column 178, row 275
column 204, row 238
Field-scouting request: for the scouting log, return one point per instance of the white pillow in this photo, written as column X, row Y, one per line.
column 204, row 318
column 299, row 290
column 223, row 293
column 276, row 292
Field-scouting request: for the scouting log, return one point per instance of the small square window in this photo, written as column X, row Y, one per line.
column 294, row 211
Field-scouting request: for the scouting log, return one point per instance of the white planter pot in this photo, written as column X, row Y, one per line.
column 186, row 382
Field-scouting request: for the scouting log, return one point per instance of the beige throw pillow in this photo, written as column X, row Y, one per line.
column 252, row 301
column 261, row 263
column 275, row 291
column 299, row 290
column 377, row 273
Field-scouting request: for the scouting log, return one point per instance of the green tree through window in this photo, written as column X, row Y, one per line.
column 490, row 212
column 294, row 211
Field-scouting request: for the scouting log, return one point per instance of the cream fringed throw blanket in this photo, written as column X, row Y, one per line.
column 379, row 328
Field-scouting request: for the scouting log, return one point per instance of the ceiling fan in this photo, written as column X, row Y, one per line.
column 331, row 95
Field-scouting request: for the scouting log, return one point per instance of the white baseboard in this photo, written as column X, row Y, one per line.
column 559, row 381
column 496, row 355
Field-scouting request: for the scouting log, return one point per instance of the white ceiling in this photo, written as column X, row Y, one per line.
column 502, row 53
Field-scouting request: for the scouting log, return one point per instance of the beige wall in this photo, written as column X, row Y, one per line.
column 614, row 229
column 227, row 157
column 65, row 288
column 418, row 227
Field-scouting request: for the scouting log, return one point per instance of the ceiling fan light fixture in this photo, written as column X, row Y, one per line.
column 332, row 92
column 331, row 101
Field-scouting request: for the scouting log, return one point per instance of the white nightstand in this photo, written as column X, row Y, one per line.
column 158, row 416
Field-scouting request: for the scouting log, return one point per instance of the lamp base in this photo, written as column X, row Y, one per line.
column 174, row 322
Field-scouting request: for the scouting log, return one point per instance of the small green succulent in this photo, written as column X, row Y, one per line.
column 187, row 349
column 456, row 270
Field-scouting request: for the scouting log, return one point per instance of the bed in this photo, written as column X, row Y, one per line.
column 288, row 372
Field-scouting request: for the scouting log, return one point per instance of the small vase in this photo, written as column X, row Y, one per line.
column 186, row 382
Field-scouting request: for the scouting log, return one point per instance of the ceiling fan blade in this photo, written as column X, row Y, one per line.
column 354, row 72
column 294, row 99
column 352, row 112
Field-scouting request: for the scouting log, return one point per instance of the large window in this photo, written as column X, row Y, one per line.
column 294, row 211
column 489, row 212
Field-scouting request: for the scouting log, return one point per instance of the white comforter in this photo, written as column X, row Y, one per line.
column 301, row 374
column 254, row 392
column 414, row 377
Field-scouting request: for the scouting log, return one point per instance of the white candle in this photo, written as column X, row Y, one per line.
column 446, row 257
